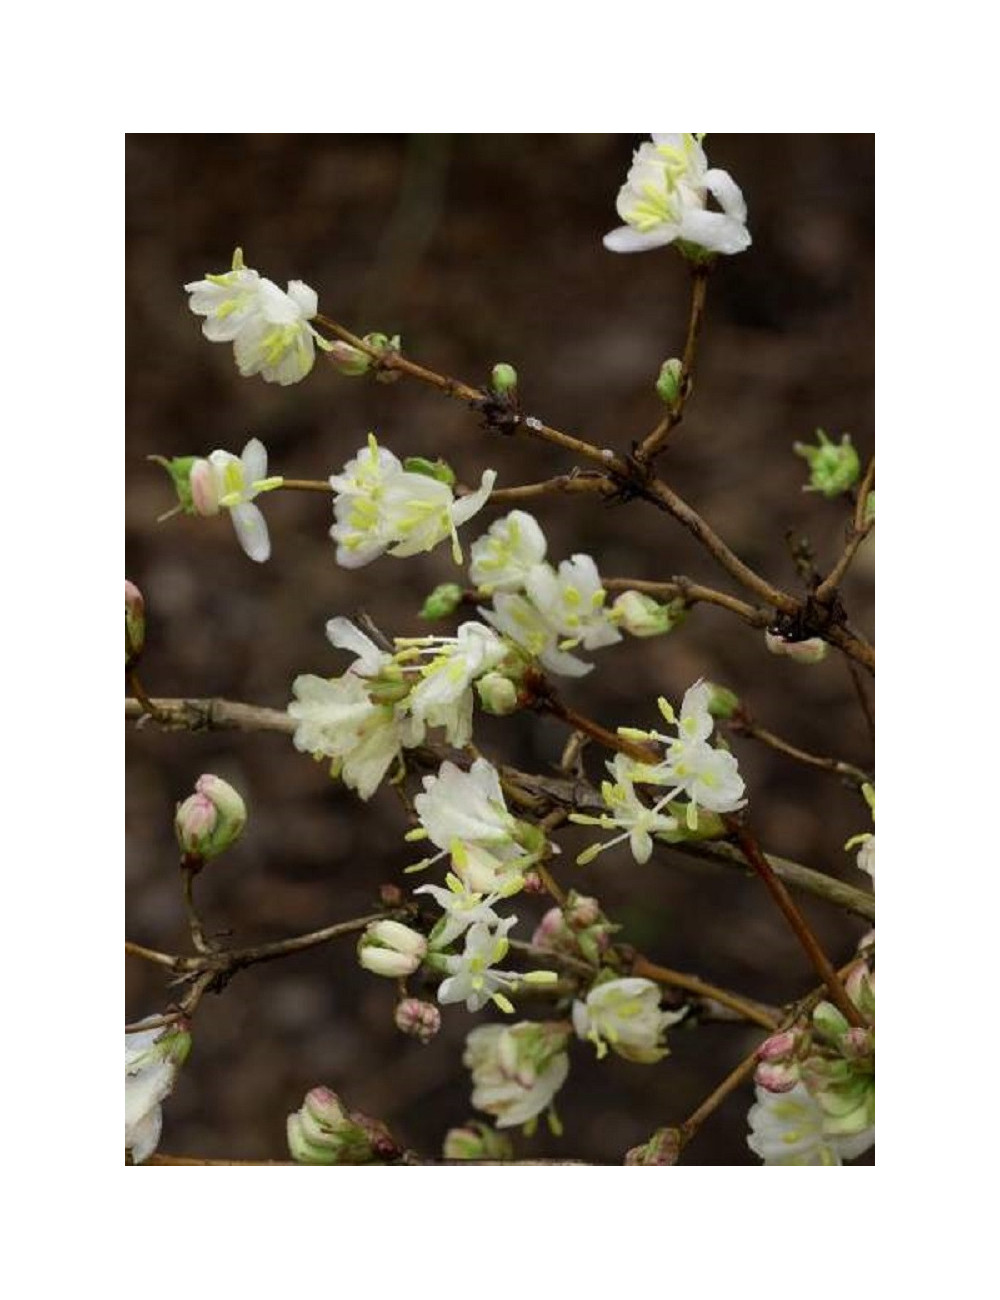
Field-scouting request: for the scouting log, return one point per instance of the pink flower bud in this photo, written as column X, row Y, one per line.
column 195, row 820
column 420, row 1020
column 777, row 1076
column 550, row 929
column 533, row 883
column 778, row 1047
column 135, row 621
column 211, row 819
column 857, row 1043
column 204, row 489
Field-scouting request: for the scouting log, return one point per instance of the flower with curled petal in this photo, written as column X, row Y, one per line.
column 665, row 196
column 507, row 551
column 152, row 1059
column 625, row 1013
column 516, row 1070
column 521, row 622
column 572, row 601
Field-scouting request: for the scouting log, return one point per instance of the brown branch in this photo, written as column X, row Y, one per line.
column 213, row 715
column 858, row 531
column 800, row 927
column 692, row 594
column 862, row 694
column 562, row 483
column 655, row 441
column 752, row 1011
column 742, row 724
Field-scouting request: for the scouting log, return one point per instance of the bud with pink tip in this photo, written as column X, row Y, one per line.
column 348, row 360
column 780, row 1046
column 135, row 622
column 322, row 1132
column 210, row 820
column 663, row 1148
column 477, row 1141
column 582, row 911
column 552, row 930
column 420, row 1020
column 777, row 1076
column 204, row 485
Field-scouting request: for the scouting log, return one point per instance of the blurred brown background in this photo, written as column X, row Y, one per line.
column 479, row 249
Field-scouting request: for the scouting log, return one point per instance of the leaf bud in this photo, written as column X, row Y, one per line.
column 135, row 622
column 503, row 380
column 834, row 468
column 668, row 384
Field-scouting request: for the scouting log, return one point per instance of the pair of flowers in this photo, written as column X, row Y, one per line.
column 707, row 777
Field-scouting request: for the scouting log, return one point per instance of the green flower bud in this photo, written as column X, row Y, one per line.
column 477, row 1141
column 668, row 385
column 347, row 360
column 386, row 348
column 663, row 1148
column 829, row 1023
column 723, row 702
column 437, row 469
column 497, row 694
column 321, row 1132
column 135, row 622
column 503, row 380
column 833, row 468
column 641, row 615
column 442, row 601
column 210, row 820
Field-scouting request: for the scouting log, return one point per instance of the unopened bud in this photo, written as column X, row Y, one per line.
column 391, row 949
column 833, row 467
column 780, row 1046
column 322, row 1132
column 829, row 1023
column 777, row 1076
column 641, row 615
column 347, row 360
column 386, row 348
column 551, row 929
column 390, row 895
column 811, row 651
column 582, row 911
column 204, row 489
column 477, row 1141
column 135, row 622
column 211, row 819
column 533, row 883
column 497, row 694
column 860, row 985
column 503, row 380
column 663, row 1148
column 722, row 702
column 668, row 385
column 858, row 1044
column 442, row 601
column 420, row 1020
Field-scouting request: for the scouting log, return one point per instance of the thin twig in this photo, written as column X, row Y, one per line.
column 862, row 694
column 858, row 531
column 797, row 922
column 752, row 1011
column 742, row 724
column 655, row 441
column 692, row 593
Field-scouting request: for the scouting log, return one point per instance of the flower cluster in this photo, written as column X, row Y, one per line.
column 383, row 504
column 816, row 1084
column 707, row 777
column 385, row 702
column 268, row 327
column 549, row 611
column 665, row 198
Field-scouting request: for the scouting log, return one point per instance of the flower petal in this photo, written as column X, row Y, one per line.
column 251, row 529
column 627, row 240
column 254, row 461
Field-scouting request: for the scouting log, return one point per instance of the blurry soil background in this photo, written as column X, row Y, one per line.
column 479, row 249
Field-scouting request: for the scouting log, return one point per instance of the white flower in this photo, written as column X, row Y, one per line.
column 572, row 601
column 517, row 619
column 227, row 301
column 502, row 557
column 462, row 907
column 664, row 199
column 471, row 978
column 268, row 328
column 788, row 1129
column 626, row 809
column 379, row 506
column 625, row 1013
column 152, row 1057
column 232, row 482
column 709, row 777
column 339, row 720
column 466, row 806
column 516, row 1071
column 443, row 697
column 866, row 853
